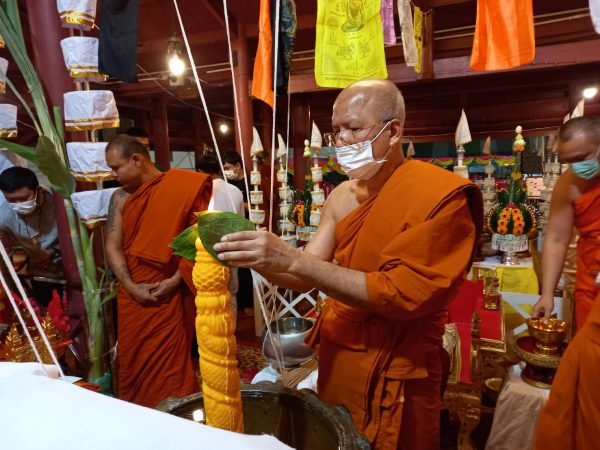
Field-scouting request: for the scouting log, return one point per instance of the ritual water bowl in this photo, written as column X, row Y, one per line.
column 548, row 335
column 491, row 390
column 297, row 418
column 288, row 336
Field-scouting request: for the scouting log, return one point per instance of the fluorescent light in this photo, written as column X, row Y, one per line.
column 590, row 92
column 176, row 65
column 223, row 128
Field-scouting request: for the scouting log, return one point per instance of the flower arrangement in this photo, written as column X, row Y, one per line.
column 519, row 142
column 512, row 214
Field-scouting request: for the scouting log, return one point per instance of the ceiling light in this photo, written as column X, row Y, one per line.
column 590, row 92
column 223, row 128
column 176, row 65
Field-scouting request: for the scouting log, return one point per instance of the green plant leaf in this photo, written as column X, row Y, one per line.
column 212, row 226
column 22, row 150
column 50, row 164
column 185, row 243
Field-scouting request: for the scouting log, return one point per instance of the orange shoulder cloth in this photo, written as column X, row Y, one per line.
column 161, row 209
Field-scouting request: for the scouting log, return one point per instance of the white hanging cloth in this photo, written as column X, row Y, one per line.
column 79, row 14
column 88, row 161
column 409, row 45
column 90, row 110
column 92, row 206
column 281, row 147
column 257, row 148
column 595, row 14
column 487, row 146
column 463, row 134
column 81, row 58
column 3, row 69
column 8, row 121
column 410, row 152
column 578, row 111
column 316, row 139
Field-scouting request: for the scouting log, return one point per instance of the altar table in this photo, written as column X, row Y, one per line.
column 517, row 410
column 520, row 279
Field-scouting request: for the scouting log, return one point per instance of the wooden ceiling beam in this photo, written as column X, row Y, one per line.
column 216, row 14
column 441, row 3
column 557, row 55
column 304, row 22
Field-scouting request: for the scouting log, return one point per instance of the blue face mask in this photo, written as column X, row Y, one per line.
column 587, row 169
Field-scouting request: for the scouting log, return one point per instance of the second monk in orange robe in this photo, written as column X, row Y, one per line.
column 575, row 202
column 402, row 234
column 154, row 326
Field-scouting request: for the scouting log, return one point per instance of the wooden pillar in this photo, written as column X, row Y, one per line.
column 427, row 72
column 300, row 132
column 242, row 80
column 198, row 140
column 142, row 120
column 160, row 128
column 46, row 34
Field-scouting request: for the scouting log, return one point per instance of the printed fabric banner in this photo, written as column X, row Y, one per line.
column 349, row 44
column 418, row 27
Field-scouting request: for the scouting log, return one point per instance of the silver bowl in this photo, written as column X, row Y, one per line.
column 288, row 338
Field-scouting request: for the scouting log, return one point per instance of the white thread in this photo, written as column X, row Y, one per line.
column 235, row 100
column 198, row 85
column 273, row 134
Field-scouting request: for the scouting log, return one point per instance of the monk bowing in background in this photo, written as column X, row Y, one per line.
column 575, row 201
column 144, row 216
column 402, row 234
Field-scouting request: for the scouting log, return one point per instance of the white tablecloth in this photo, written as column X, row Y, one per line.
column 37, row 412
column 517, row 410
column 272, row 375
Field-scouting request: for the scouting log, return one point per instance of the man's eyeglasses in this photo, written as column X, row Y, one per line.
column 347, row 136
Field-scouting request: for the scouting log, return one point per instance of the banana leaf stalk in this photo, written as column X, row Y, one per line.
column 50, row 157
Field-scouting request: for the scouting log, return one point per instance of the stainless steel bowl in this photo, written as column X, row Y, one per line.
column 288, row 335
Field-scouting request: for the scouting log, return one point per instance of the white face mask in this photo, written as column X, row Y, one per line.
column 26, row 207
column 230, row 174
column 357, row 159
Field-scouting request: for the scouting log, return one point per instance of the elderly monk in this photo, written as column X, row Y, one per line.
column 571, row 417
column 402, row 235
column 153, row 304
column 575, row 201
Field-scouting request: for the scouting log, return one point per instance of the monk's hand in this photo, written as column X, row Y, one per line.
column 143, row 293
column 259, row 250
column 165, row 288
column 543, row 308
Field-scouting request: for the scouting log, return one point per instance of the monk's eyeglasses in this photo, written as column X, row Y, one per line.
column 348, row 136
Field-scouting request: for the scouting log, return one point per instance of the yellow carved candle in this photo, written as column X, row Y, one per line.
column 216, row 343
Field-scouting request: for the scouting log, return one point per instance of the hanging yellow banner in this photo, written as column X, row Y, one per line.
column 349, row 43
column 418, row 27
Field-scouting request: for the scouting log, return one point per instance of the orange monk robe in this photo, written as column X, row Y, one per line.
column 415, row 242
column 587, row 222
column 504, row 34
column 571, row 417
column 154, row 342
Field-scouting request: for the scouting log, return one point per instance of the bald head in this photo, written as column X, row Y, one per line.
column 127, row 146
column 581, row 127
column 380, row 99
column 579, row 139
